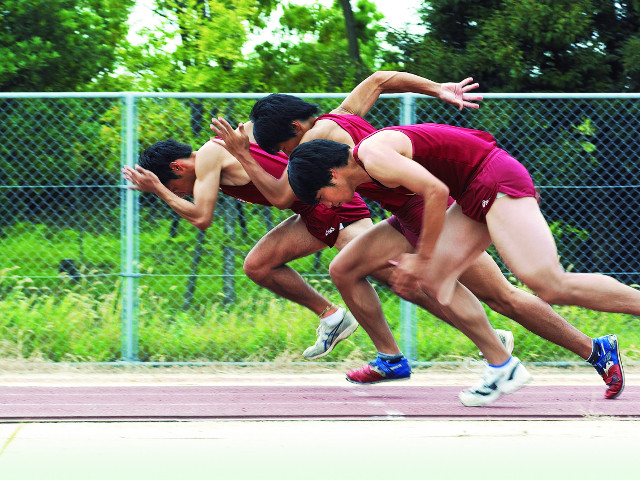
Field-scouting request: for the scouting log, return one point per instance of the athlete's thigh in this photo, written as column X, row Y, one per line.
column 372, row 249
column 521, row 236
column 484, row 278
column 461, row 241
column 351, row 231
column 287, row 241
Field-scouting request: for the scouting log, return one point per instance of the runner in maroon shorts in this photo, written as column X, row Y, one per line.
column 172, row 170
column 496, row 203
column 484, row 278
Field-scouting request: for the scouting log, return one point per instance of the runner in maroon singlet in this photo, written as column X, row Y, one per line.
column 173, row 170
column 497, row 205
column 483, row 278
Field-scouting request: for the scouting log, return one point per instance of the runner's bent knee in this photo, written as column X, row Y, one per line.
column 255, row 268
column 341, row 270
column 549, row 285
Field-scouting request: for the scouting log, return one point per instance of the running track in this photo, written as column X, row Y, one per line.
column 91, row 403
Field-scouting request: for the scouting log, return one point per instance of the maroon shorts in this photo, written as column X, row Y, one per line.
column 500, row 173
column 325, row 223
column 408, row 218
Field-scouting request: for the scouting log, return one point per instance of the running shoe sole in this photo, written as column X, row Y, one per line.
column 621, row 370
column 382, row 380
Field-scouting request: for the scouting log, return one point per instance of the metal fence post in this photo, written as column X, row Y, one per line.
column 129, row 227
column 408, row 321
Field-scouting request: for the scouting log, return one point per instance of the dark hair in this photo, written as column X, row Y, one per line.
column 158, row 157
column 310, row 165
column 272, row 118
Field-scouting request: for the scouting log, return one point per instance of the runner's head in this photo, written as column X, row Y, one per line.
column 277, row 121
column 312, row 165
column 173, row 164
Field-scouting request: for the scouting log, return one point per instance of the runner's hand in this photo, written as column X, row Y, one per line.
column 456, row 93
column 142, row 179
column 235, row 141
column 405, row 277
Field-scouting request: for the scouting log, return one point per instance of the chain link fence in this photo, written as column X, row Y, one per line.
column 94, row 272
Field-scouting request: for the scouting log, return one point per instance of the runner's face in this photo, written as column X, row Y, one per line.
column 181, row 186
column 335, row 195
column 289, row 145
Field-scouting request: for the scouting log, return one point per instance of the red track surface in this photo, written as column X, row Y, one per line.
column 302, row 402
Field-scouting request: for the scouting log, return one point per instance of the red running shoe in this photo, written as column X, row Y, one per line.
column 609, row 365
column 380, row 370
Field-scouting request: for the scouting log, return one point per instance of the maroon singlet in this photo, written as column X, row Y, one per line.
column 469, row 163
column 322, row 222
column 358, row 128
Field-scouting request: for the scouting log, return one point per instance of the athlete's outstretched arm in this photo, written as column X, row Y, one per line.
column 362, row 98
column 276, row 190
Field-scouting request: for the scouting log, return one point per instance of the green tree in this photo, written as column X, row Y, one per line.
column 59, row 45
column 527, row 45
column 320, row 49
column 198, row 47
column 202, row 47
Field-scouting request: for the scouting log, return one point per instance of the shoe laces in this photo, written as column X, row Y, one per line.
column 322, row 332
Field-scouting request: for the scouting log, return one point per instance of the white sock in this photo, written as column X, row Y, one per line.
column 334, row 319
column 503, row 364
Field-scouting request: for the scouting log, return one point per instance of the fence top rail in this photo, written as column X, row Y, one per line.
column 306, row 95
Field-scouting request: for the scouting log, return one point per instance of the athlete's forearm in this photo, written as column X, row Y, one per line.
column 401, row 82
column 435, row 205
column 362, row 98
column 276, row 190
column 186, row 209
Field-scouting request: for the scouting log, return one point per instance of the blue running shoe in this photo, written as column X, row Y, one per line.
column 380, row 370
column 609, row 364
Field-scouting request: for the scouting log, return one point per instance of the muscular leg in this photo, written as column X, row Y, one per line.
column 369, row 253
column 266, row 263
column 486, row 281
column 524, row 241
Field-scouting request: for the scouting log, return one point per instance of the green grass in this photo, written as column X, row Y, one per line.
column 77, row 323
column 49, row 317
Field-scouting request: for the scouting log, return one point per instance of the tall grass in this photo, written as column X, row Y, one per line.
column 79, row 323
column 58, row 319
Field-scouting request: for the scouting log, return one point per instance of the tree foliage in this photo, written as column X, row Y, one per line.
column 197, row 47
column 59, row 45
column 205, row 47
column 528, row 45
column 311, row 52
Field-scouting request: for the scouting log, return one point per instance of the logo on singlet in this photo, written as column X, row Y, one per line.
column 329, row 231
column 485, row 203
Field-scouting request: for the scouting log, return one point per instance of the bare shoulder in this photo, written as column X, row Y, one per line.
column 212, row 150
column 213, row 160
column 328, row 130
column 385, row 141
column 212, row 156
column 343, row 109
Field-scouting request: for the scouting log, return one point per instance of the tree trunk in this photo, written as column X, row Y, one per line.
column 352, row 38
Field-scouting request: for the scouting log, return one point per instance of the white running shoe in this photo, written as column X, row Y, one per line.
column 506, row 337
column 495, row 383
column 329, row 337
